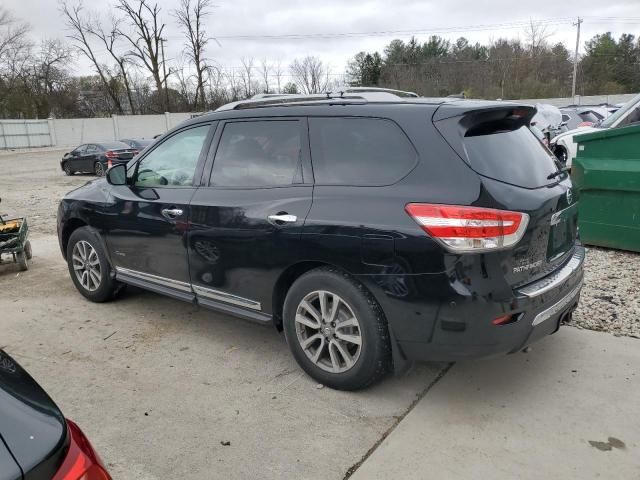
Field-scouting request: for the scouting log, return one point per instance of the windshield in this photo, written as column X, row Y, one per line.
column 630, row 105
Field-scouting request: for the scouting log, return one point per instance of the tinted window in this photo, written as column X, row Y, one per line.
column 80, row 149
column 257, row 154
column 91, row 149
column 512, row 156
column 359, row 151
column 173, row 162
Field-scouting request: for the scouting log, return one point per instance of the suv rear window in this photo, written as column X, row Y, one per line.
column 511, row 156
column 359, row 151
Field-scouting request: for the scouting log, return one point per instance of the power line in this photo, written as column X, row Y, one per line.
column 382, row 33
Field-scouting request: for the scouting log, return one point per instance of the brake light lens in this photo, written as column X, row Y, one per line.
column 82, row 462
column 469, row 229
column 110, row 154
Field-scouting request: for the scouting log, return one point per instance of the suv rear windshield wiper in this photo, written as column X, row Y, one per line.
column 557, row 173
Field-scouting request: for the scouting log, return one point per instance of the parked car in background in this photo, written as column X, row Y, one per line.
column 548, row 120
column 138, row 143
column 36, row 441
column 96, row 157
column 288, row 211
column 564, row 147
column 578, row 117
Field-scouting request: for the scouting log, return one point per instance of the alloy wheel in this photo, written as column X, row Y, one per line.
column 328, row 331
column 86, row 265
column 99, row 169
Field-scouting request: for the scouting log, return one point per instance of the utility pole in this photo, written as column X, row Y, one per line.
column 164, row 71
column 575, row 60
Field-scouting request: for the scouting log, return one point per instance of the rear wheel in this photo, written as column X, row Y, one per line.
column 22, row 261
column 336, row 330
column 27, row 250
column 89, row 267
column 67, row 169
column 98, row 169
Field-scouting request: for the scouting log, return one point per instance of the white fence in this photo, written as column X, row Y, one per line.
column 583, row 100
column 75, row 131
column 24, row 134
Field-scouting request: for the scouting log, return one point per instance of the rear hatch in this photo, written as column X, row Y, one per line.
column 520, row 174
column 31, row 426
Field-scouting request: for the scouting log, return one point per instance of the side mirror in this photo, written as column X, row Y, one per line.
column 117, row 175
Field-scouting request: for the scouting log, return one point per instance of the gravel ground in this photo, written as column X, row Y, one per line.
column 32, row 184
column 610, row 300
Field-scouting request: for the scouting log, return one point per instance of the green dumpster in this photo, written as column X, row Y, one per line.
column 606, row 174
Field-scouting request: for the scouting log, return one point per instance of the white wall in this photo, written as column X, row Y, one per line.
column 75, row 131
column 582, row 100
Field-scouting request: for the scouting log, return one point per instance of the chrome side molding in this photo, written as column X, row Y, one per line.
column 165, row 282
column 204, row 292
column 226, row 297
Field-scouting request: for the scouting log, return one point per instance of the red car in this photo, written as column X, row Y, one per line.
column 36, row 441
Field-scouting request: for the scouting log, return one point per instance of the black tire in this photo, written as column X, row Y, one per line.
column 67, row 169
column 27, row 250
column 374, row 359
column 108, row 286
column 22, row 261
column 98, row 169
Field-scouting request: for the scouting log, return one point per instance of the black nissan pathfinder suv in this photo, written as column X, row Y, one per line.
column 372, row 227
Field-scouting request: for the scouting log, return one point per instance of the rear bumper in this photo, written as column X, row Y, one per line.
column 459, row 326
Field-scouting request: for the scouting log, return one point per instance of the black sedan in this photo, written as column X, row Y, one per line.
column 96, row 157
column 36, row 441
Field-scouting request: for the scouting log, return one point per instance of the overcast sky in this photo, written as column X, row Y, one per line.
column 477, row 20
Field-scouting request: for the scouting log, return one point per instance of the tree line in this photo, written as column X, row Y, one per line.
column 132, row 75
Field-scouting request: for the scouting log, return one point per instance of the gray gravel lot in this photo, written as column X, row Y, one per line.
column 610, row 300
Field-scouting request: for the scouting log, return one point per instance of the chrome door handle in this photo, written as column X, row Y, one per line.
column 283, row 218
column 171, row 213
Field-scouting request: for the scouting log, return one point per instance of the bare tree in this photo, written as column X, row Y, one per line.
column 310, row 74
column 110, row 38
column 246, row 77
column 79, row 27
column 265, row 71
column 537, row 35
column 13, row 32
column 278, row 72
column 146, row 41
column 54, row 56
column 190, row 17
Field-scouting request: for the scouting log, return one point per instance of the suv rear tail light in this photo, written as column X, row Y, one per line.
column 469, row 229
column 81, row 462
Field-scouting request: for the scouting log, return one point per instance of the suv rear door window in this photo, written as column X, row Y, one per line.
column 261, row 153
column 359, row 151
column 511, row 156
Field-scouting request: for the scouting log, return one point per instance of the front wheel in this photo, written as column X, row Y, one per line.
column 89, row 267
column 336, row 330
column 67, row 169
